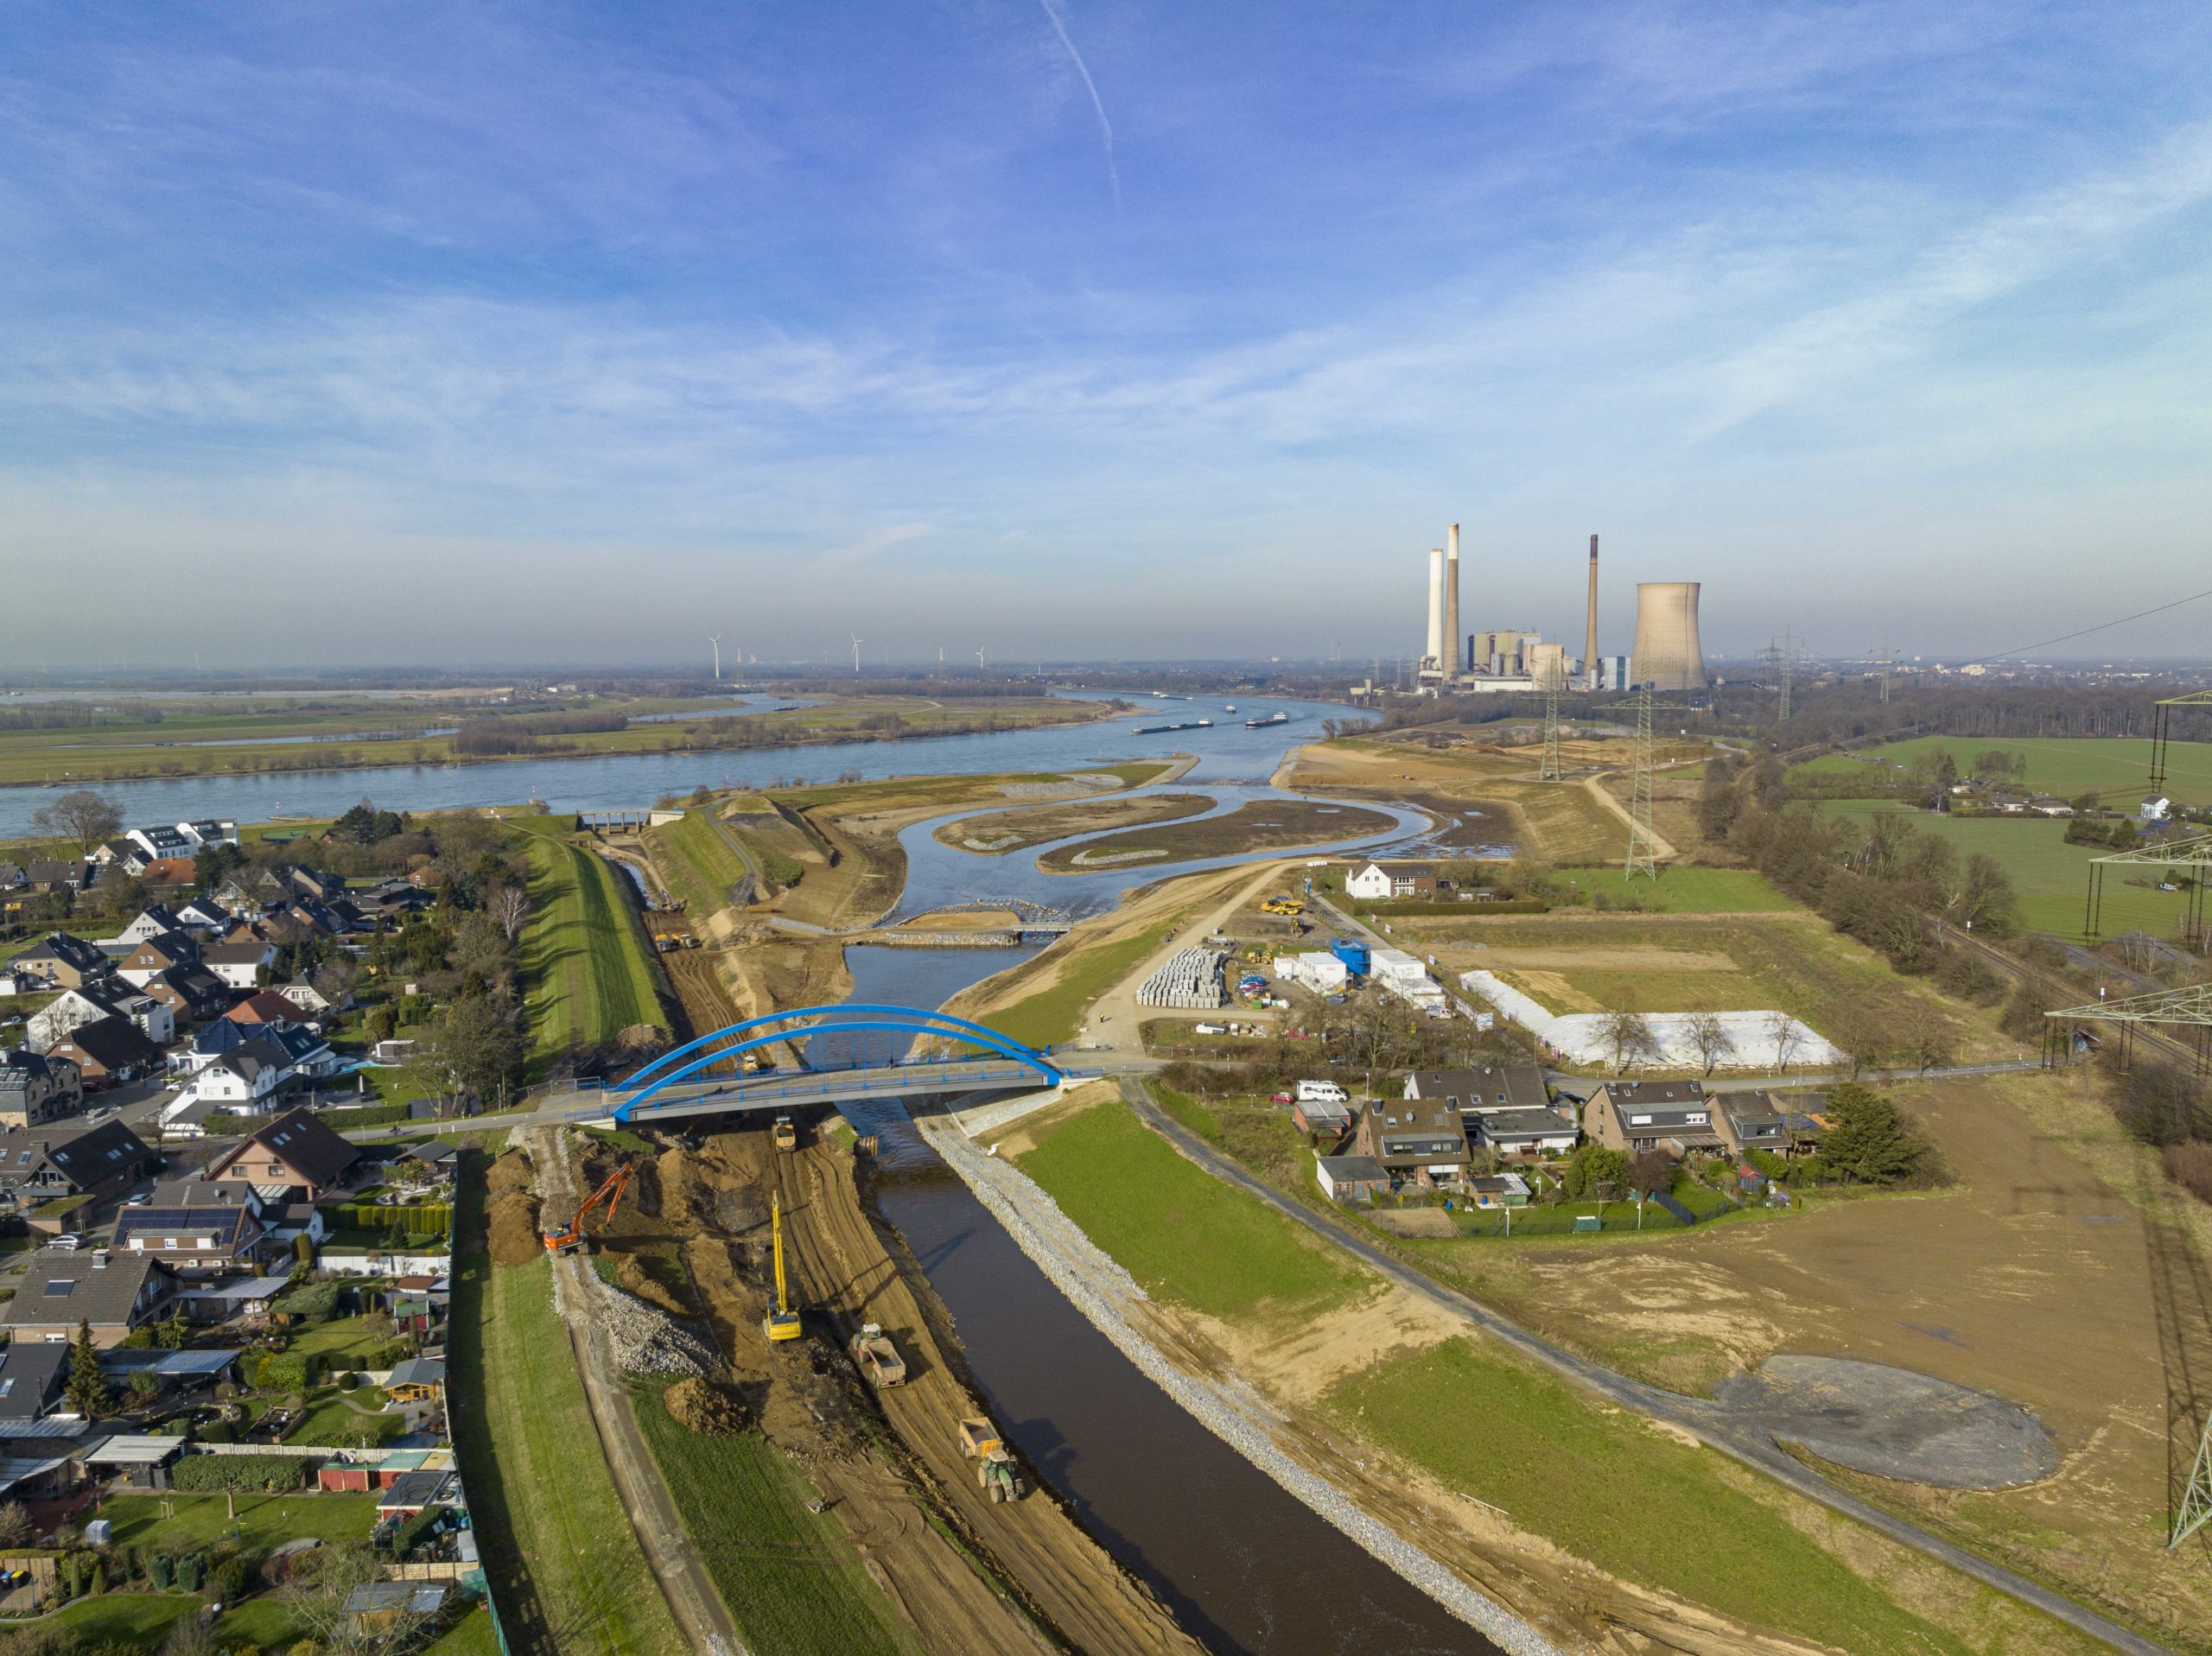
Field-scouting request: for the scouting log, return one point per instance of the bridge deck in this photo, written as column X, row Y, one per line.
column 725, row 1094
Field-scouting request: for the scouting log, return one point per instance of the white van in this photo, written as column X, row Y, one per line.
column 1321, row 1092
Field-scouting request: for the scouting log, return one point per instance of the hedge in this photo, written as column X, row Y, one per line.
column 205, row 1474
column 427, row 1219
column 1387, row 908
column 365, row 1115
column 287, row 1371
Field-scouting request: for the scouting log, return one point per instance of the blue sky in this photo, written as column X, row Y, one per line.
column 1074, row 328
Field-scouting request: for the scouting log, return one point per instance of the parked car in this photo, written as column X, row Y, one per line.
column 139, row 1198
column 68, row 1238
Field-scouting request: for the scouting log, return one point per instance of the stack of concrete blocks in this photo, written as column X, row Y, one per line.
column 1190, row 981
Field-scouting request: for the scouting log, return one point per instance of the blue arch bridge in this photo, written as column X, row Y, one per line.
column 835, row 1055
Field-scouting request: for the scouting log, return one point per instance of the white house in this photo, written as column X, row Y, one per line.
column 245, row 1075
column 151, row 924
column 202, row 914
column 208, row 831
column 1367, row 883
column 1319, row 971
column 238, row 965
column 307, row 998
column 161, row 841
column 74, row 1008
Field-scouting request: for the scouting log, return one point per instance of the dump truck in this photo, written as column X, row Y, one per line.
column 784, row 1132
column 995, row 1470
column 877, row 1357
column 1280, row 904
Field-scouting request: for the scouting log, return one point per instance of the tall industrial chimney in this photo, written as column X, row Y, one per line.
column 1590, row 625
column 1453, row 662
column 1436, row 607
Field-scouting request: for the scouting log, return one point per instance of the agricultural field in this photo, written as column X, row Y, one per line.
column 2052, row 877
column 2116, row 769
column 1563, row 824
column 587, row 974
column 557, row 1543
column 790, row 1577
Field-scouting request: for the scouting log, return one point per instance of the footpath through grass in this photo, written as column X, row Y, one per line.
column 1181, row 1232
column 562, row 1561
column 1613, row 1490
column 790, row 1577
column 588, row 976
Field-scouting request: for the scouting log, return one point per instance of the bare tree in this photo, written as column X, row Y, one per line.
column 328, row 1575
column 1628, row 1035
column 1710, row 1036
column 80, row 815
column 1861, row 1031
column 1782, row 1029
column 1930, row 1037
column 509, row 907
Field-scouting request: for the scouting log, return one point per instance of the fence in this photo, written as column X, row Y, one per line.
column 425, row 1218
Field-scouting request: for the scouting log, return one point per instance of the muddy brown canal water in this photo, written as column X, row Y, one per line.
column 1244, row 1565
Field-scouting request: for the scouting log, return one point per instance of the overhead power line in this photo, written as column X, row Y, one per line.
column 2102, row 626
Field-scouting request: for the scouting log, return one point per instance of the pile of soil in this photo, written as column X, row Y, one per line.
column 632, row 1277
column 702, row 1406
column 511, row 1212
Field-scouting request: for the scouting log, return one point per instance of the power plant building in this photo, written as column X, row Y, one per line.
column 1667, row 655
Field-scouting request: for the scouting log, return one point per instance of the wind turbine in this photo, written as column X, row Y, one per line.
column 857, row 643
column 979, row 661
column 715, row 639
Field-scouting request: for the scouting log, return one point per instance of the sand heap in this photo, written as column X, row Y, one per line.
column 511, row 1212
column 709, row 1409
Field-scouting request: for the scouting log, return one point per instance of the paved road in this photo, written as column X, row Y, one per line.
column 1690, row 1414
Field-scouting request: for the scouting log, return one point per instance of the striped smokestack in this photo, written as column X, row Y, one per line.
column 1454, row 645
column 1590, row 625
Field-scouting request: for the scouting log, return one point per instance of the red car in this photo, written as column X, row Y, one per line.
column 1280, row 1098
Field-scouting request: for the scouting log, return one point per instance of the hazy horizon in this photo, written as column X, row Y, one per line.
column 1097, row 331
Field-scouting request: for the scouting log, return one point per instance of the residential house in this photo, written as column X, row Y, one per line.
column 58, row 1292
column 1414, row 1139
column 1782, row 1124
column 310, row 1001
column 1351, row 1178
column 263, row 1008
column 12, row 876
column 1672, row 1116
column 251, row 890
column 209, row 830
column 152, row 956
column 171, row 871
column 108, row 1051
column 1370, row 884
column 90, row 1002
column 110, row 851
column 239, row 964
column 1498, row 1190
column 1534, row 1135
column 68, row 961
column 201, row 1240
column 193, row 994
column 1476, row 1092
column 317, row 884
column 1323, row 1123
column 35, row 1090
column 263, row 1069
column 295, row 1149
column 375, row 1610
column 308, row 917
column 152, row 921
column 202, row 914
column 45, row 875
column 161, row 842
column 213, row 1040
column 418, row 1379
column 31, row 1375
column 38, row 1164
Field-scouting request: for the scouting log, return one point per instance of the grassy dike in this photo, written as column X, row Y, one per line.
column 588, row 974
column 564, row 1566
column 1606, row 1486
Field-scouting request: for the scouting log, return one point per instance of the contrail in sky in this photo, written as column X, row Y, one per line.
column 1105, row 127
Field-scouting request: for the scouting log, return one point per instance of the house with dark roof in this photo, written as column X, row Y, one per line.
column 45, row 875
column 61, row 1289
column 193, row 994
column 68, row 961
column 12, row 876
column 239, row 964
column 151, row 922
column 31, row 1374
column 36, row 1088
column 39, row 1164
column 108, row 1051
column 250, row 1074
column 295, row 1149
column 209, row 1044
column 1782, row 1124
column 1672, row 1116
column 196, row 1242
column 1493, row 1087
column 161, row 840
column 1528, row 1134
column 1419, row 1140
column 152, row 956
column 202, row 914
column 96, row 999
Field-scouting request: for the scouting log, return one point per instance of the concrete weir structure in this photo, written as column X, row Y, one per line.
column 1668, row 655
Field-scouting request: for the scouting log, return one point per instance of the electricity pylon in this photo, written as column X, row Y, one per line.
column 1551, row 770
column 2196, row 1509
column 1643, row 843
column 1885, row 672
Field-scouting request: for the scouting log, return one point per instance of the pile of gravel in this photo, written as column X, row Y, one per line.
column 1192, row 979
column 646, row 1341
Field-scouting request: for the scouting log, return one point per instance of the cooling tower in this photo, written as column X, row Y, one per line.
column 1453, row 665
column 1436, row 634
column 1667, row 656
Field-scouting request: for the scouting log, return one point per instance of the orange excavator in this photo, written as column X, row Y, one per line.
column 570, row 1236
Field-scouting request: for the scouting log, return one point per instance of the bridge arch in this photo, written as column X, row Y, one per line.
column 666, row 1070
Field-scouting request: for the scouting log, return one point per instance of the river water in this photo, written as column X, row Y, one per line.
column 1228, row 752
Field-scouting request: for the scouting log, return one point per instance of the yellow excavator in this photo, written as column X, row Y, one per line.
column 781, row 1322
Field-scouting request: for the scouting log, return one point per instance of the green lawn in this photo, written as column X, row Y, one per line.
column 788, row 1576
column 586, row 971
column 1180, row 1232
column 698, row 863
column 2117, row 768
column 557, row 1544
column 1610, row 1490
column 341, row 1341
column 1055, row 1014
column 473, row 1636
column 1689, row 891
column 332, row 1422
column 2052, row 877
column 263, row 1521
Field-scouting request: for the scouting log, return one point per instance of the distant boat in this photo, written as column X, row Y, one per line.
column 1272, row 718
column 1231, row 708
column 1162, row 730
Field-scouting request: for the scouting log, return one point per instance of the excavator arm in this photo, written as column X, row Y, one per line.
column 610, row 1191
